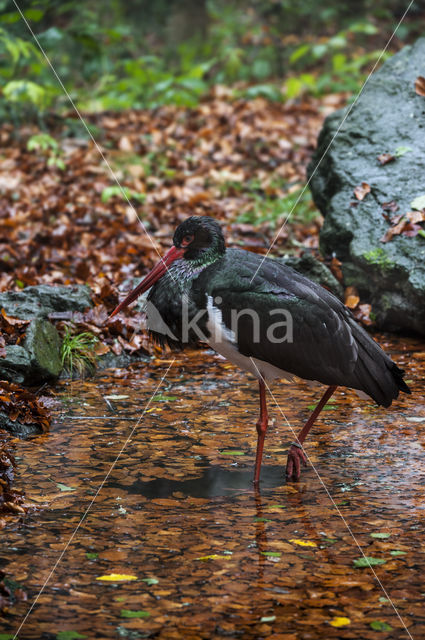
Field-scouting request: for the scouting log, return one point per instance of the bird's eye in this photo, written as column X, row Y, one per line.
column 187, row 239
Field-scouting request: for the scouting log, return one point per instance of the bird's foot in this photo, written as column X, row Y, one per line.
column 296, row 456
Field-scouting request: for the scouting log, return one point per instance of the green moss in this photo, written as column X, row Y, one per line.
column 379, row 258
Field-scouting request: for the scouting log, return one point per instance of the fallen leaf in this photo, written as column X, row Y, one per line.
column 335, row 267
column 378, row 625
column 340, row 621
column 420, row 86
column 268, row 619
column 391, row 206
column 368, row 561
column 303, row 543
column 232, row 453
column 69, row 635
column 362, row 190
column 400, row 151
column 113, row 397
column 128, row 613
column 394, row 230
column 117, row 577
column 385, row 158
column 380, row 536
column 63, row 487
column 214, row 556
column 418, row 203
column 415, row 216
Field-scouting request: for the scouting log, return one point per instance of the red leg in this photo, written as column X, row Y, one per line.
column 261, row 430
column 296, row 454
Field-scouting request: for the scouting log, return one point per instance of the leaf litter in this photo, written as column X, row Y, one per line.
column 182, row 499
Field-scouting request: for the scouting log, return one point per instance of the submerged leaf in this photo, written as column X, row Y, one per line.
column 378, row 625
column 150, row 581
column 268, row 619
column 340, row 621
column 63, row 487
column 368, row 561
column 128, row 613
column 303, row 543
column 116, row 577
column 232, row 453
column 162, row 398
column 214, row 556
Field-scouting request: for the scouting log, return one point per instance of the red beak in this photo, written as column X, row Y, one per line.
column 155, row 274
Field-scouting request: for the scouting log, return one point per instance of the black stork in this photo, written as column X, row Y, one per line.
column 264, row 317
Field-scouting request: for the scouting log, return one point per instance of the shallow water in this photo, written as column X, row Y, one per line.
column 176, row 509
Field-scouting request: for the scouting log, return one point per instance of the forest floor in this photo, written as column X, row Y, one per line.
column 176, row 543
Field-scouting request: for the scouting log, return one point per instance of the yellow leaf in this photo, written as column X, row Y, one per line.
column 214, row 556
column 116, row 577
column 303, row 543
column 340, row 621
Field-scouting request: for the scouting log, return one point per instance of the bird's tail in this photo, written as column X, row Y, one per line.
column 375, row 373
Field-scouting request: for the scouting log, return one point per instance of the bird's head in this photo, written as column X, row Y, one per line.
column 198, row 239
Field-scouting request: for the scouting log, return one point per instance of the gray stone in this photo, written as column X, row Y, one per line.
column 15, row 365
column 43, row 299
column 388, row 116
column 43, row 346
column 315, row 270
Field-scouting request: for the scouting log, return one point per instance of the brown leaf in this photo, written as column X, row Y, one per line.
column 335, row 267
column 362, row 190
column 394, row 230
column 415, row 216
column 385, row 158
column 390, row 206
column 420, row 86
column 351, row 297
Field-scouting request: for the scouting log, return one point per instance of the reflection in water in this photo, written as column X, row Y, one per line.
column 215, row 481
column 211, row 556
column 260, row 534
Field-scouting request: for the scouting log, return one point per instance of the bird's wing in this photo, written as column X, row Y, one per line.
column 281, row 317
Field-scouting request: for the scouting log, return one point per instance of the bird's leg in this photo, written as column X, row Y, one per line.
column 296, row 454
column 261, row 430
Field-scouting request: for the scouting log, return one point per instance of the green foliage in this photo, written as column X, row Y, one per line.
column 276, row 209
column 143, row 54
column 49, row 147
column 77, row 352
column 379, row 257
column 122, row 192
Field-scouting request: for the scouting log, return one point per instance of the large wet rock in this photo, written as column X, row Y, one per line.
column 43, row 299
column 43, row 346
column 15, row 366
column 38, row 359
column 389, row 117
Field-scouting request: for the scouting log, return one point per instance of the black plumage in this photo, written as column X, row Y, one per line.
column 242, row 292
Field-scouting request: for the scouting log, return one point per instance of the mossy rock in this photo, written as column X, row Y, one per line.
column 43, row 346
column 388, row 117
